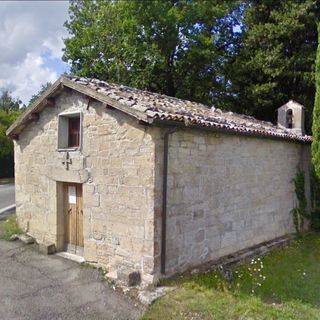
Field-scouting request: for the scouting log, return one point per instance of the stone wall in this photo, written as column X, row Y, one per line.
column 226, row 193
column 115, row 166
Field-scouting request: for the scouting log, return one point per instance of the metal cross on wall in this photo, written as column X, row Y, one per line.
column 66, row 161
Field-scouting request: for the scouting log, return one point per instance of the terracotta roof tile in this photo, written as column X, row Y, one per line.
column 161, row 107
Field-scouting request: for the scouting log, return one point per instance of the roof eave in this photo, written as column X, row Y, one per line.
column 104, row 99
column 265, row 135
column 23, row 120
column 35, row 108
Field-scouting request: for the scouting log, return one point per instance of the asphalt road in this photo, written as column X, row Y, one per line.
column 39, row 287
column 6, row 195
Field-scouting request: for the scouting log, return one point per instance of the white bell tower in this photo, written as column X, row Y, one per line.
column 291, row 117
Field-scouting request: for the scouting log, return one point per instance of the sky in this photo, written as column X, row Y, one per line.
column 31, row 42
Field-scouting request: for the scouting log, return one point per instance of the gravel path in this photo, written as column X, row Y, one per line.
column 34, row 286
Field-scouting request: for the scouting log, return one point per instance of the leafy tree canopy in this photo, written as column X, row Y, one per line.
column 9, row 111
column 316, row 114
column 7, row 102
column 247, row 56
column 176, row 47
column 277, row 56
column 6, row 119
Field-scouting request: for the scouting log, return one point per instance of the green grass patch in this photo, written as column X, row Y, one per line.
column 282, row 285
column 190, row 304
column 9, row 227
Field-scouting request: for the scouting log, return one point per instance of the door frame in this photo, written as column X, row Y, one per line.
column 62, row 206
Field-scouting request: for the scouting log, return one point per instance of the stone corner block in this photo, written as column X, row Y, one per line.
column 128, row 277
column 47, row 248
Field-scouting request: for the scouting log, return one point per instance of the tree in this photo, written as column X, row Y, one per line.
column 316, row 114
column 176, row 47
column 7, row 102
column 43, row 88
column 7, row 116
column 9, row 111
column 247, row 56
column 276, row 59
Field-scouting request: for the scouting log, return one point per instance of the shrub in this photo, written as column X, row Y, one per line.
column 300, row 212
column 315, row 219
column 316, row 114
column 9, row 228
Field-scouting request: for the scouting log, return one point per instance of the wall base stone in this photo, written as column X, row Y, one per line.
column 47, row 248
column 241, row 256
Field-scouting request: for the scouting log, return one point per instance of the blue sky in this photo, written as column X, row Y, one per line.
column 54, row 63
column 31, row 34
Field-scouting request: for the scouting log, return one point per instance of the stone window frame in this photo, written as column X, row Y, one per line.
column 62, row 141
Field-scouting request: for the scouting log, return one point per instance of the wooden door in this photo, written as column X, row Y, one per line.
column 74, row 217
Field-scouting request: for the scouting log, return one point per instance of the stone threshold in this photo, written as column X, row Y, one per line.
column 71, row 256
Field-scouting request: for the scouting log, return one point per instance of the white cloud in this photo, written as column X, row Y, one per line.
column 54, row 45
column 31, row 35
column 27, row 77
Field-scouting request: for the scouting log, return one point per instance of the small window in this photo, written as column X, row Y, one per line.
column 74, row 132
column 69, row 131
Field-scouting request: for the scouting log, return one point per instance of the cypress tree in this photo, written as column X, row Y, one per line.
column 316, row 113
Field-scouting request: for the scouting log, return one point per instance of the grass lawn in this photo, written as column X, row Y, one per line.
column 282, row 285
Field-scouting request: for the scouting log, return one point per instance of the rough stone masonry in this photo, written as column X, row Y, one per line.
column 226, row 191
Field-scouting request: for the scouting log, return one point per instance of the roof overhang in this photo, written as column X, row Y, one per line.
column 234, row 131
column 47, row 100
column 143, row 115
